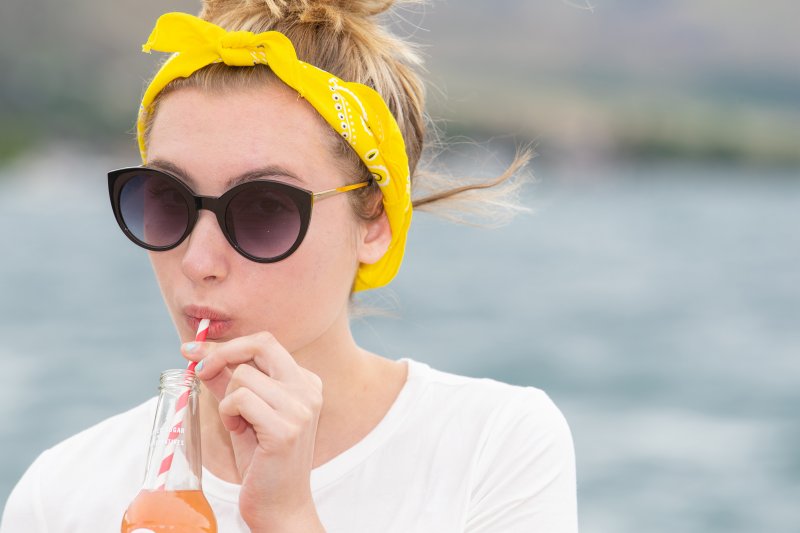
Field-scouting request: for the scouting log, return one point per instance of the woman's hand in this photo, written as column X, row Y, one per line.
column 271, row 406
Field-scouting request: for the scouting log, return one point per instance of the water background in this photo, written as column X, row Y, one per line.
column 658, row 305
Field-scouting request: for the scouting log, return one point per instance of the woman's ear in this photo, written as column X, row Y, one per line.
column 375, row 238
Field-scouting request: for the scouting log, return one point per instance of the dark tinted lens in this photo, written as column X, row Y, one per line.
column 154, row 209
column 264, row 220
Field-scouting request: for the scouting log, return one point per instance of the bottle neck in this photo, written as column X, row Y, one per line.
column 174, row 458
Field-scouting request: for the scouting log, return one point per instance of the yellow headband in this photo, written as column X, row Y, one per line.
column 355, row 111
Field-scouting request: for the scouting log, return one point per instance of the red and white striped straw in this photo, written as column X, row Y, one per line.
column 180, row 411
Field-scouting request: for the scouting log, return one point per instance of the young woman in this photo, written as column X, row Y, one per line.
column 304, row 177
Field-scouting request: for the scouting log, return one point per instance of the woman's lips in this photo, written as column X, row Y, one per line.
column 220, row 322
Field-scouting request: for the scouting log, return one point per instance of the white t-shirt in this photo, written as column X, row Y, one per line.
column 452, row 454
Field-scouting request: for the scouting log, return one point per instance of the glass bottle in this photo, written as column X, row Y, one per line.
column 171, row 498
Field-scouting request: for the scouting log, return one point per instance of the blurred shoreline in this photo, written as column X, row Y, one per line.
column 712, row 81
column 496, row 145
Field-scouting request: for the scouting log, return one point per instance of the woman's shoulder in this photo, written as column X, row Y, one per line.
column 117, row 443
column 109, row 433
column 487, row 394
column 62, row 485
column 495, row 411
column 518, row 444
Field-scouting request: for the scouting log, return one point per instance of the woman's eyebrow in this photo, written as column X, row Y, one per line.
column 169, row 166
column 269, row 171
column 262, row 172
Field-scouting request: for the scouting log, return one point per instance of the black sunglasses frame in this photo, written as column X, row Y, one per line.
column 302, row 198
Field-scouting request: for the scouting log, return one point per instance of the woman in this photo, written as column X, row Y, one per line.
column 303, row 430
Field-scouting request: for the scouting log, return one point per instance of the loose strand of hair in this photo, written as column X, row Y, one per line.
column 488, row 203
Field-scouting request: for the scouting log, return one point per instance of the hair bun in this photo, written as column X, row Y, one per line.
column 326, row 12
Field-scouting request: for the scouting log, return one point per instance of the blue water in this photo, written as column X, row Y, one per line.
column 658, row 305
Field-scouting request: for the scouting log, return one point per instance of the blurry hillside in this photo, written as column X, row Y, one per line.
column 657, row 78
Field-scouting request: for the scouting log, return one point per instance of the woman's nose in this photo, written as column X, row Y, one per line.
column 206, row 257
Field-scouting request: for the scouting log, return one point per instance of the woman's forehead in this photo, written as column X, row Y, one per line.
column 232, row 133
column 271, row 112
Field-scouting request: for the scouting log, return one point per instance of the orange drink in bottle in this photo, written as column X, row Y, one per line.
column 186, row 511
column 171, row 499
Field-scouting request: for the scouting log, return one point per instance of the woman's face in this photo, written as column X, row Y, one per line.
column 210, row 140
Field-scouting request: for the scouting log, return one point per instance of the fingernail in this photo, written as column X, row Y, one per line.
column 191, row 347
column 199, row 367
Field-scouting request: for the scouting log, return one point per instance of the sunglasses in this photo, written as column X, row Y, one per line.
column 264, row 220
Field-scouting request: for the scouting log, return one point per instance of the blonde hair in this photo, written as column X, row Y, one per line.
column 345, row 38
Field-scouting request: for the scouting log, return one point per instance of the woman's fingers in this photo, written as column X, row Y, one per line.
column 260, row 412
column 243, row 409
column 261, row 349
column 277, row 395
column 220, row 374
column 265, row 368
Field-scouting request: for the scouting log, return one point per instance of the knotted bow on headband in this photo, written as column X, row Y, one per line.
column 355, row 111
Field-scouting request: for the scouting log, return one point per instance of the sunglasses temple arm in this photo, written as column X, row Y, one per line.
column 333, row 192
